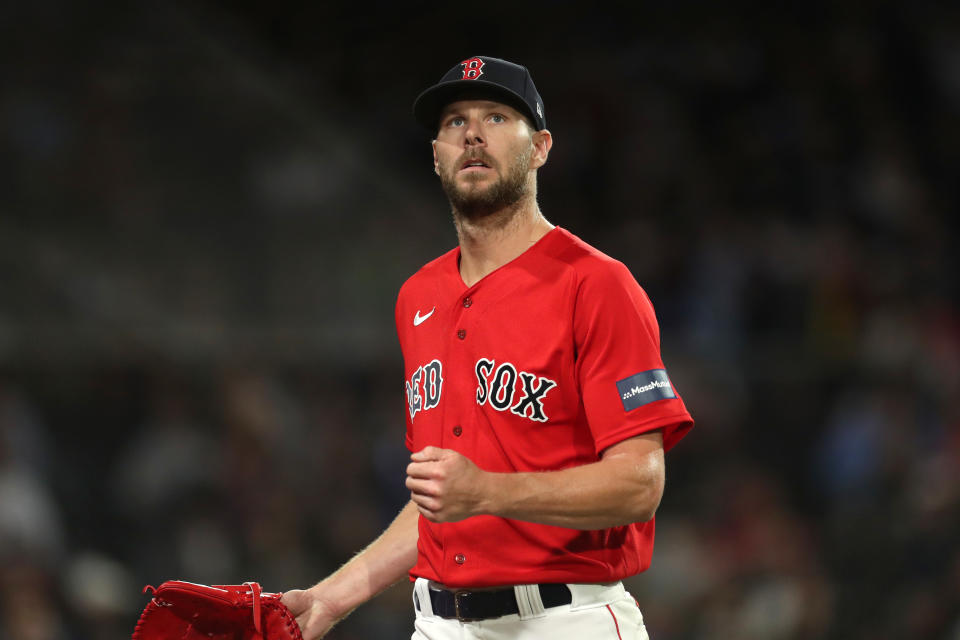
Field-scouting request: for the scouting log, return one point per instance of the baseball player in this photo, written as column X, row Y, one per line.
column 538, row 407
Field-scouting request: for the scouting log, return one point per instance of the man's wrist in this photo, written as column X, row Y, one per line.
column 490, row 490
column 321, row 595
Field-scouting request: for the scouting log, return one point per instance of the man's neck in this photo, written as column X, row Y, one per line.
column 491, row 242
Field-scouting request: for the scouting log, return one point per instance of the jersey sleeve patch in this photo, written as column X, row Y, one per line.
column 645, row 387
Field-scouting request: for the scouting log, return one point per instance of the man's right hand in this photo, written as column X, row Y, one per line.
column 384, row 562
column 314, row 615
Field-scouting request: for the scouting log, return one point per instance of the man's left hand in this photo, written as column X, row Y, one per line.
column 445, row 485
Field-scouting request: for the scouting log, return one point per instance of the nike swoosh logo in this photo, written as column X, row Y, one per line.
column 418, row 319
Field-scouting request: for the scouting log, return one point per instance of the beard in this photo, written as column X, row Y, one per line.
column 475, row 202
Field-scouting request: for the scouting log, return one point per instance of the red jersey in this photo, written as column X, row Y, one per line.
column 539, row 366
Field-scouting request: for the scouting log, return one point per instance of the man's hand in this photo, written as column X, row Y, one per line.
column 314, row 615
column 445, row 485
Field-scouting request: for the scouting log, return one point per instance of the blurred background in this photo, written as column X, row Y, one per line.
column 206, row 212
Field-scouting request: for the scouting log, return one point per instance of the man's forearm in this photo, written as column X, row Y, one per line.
column 624, row 486
column 385, row 561
column 595, row 496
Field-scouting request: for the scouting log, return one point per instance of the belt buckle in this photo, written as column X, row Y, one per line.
column 456, row 606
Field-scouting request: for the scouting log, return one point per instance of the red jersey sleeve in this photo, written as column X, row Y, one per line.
column 624, row 385
column 400, row 309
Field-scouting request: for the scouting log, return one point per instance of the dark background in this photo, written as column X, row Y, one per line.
column 206, row 212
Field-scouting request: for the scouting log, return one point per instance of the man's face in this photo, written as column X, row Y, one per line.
column 483, row 156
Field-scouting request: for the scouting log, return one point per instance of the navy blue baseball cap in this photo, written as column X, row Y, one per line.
column 482, row 78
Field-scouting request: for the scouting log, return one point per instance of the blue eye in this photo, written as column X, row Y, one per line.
column 497, row 117
column 456, row 122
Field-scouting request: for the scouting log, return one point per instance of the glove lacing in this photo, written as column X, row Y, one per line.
column 255, row 591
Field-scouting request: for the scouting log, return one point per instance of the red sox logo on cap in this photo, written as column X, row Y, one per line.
column 472, row 68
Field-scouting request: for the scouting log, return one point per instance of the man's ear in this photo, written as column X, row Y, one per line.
column 542, row 143
column 436, row 168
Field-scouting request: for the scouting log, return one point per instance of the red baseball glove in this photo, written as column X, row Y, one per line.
column 187, row 611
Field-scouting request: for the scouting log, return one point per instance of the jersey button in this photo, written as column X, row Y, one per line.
column 467, row 302
column 457, row 430
column 462, row 333
column 460, row 558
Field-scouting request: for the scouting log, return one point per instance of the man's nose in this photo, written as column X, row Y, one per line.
column 474, row 134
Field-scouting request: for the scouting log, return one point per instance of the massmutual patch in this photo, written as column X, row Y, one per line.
column 645, row 387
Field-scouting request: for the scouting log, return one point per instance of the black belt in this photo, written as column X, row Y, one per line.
column 481, row 605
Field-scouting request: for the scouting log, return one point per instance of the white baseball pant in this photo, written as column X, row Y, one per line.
column 597, row 612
